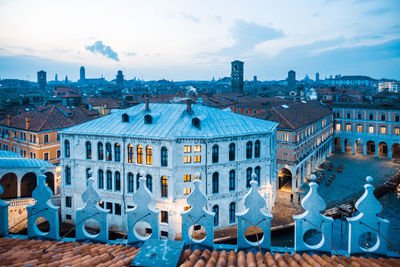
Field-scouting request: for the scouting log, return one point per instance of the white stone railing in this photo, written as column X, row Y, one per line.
column 20, row 202
column 366, row 224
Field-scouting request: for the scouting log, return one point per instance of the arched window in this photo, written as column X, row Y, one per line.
column 108, row 152
column 196, row 123
column 109, row 180
column 117, row 181
column 125, row 117
column 164, row 157
column 248, row 177
column 232, row 180
column 87, row 175
column 215, row 150
column 88, row 150
column 257, row 149
column 149, row 182
column 249, row 150
column 139, row 153
column 67, row 149
column 164, row 186
column 117, row 152
column 137, row 180
column 100, row 179
column 215, row 183
column 67, row 175
column 148, row 119
column 130, row 182
column 100, row 151
column 149, row 155
column 232, row 150
column 215, row 209
column 257, row 171
column 232, row 211
column 130, row 153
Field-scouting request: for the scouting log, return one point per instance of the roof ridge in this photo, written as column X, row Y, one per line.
column 280, row 115
column 47, row 117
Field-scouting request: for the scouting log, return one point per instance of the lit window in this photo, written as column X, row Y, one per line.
column 337, row 127
column 187, row 149
column 196, row 177
column 359, row 128
column 285, row 138
column 197, row 159
column 187, row 191
column 187, row 159
column 197, row 148
column 164, row 186
column 186, row 208
column 187, row 178
column 130, row 153
column 348, row 127
column 383, row 130
column 371, row 129
column 149, row 155
column 397, row 131
column 139, row 153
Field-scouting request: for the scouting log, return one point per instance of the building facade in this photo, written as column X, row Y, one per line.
column 34, row 134
column 368, row 129
column 170, row 145
column 304, row 140
column 41, row 79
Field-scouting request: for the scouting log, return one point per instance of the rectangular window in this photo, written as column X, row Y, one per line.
column 383, row 117
column 68, row 202
column 285, row 137
column 383, row 130
column 348, row 127
column 397, row 118
column 46, row 156
column 68, row 216
column 187, row 159
column 348, row 115
column 187, row 149
column 46, row 138
column 359, row 116
column 197, row 159
column 117, row 209
column 337, row 127
column 109, row 206
column 187, row 178
column 359, row 128
column 58, row 153
column 164, row 234
column 371, row 129
column 187, row 191
column 397, row 131
column 197, row 148
column 371, row 116
column 164, row 216
column 58, row 137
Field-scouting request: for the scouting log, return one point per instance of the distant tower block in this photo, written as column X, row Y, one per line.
column 120, row 78
column 82, row 74
column 237, row 76
column 317, row 77
column 292, row 80
column 41, row 79
column 255, row 78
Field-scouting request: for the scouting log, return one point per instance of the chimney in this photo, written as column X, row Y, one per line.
column 189, row 105
column 146, row 107
column 9, row 120
column 27, row 123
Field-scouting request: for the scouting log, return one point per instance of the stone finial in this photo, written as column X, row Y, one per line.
column 198, row 215
column 3, row 215
column 305, row 223
column 254, row 177
column 143, row 212
column 253, row 215
column 368, row 208
column 91, row 211
column 43, row 208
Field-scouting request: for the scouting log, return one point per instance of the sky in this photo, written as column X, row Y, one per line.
column 197, row 40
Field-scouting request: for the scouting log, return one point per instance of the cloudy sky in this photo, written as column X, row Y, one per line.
column 187, row 40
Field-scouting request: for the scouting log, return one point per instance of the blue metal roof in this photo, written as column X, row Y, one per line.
column 173, row 121
column 9, row 154
column 9, row 163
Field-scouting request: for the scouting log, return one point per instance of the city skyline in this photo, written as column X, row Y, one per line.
column 187, row 40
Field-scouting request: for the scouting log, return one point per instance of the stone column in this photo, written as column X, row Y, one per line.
column 342, row 145
column 365, row 149
column 354, row 147
column 19, row 186
column 376, row 150
column 389, row 149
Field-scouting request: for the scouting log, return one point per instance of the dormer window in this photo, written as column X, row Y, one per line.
column 148, row 119
column 196, row 122
column 125, row 117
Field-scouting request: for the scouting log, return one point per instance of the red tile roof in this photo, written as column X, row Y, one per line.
column 296, row 115
column 100, row 101
column 50, row 117
column 29, row 252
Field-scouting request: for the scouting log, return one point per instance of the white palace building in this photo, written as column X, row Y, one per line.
column 170, row 145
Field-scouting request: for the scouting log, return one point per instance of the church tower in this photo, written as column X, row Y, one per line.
column 237, row 76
